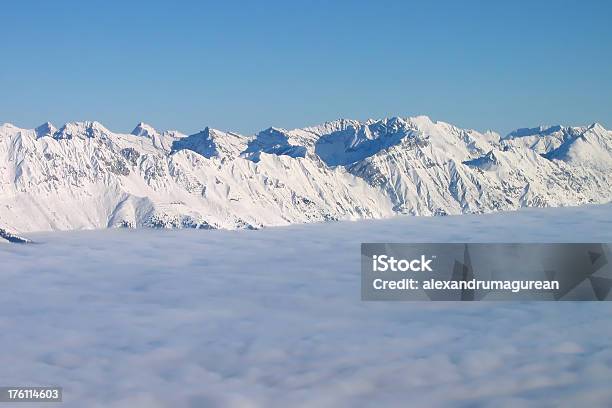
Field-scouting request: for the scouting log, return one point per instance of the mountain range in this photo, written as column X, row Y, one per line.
column 84, row 176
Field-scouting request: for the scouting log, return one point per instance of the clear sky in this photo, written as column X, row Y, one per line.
column 244, row 66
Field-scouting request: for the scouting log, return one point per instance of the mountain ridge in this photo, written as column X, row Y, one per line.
column 83, row 175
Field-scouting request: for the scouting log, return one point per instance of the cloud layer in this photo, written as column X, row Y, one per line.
column 273, row 318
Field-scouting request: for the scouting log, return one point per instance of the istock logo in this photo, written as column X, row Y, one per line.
column 383, row 263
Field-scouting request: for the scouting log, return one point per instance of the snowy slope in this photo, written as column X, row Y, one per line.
column 84, row 176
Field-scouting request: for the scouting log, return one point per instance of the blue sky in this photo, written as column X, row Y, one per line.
column 247, row 65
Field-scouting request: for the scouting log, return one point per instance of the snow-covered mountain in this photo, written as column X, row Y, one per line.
column 82, row 175
column 7, row 236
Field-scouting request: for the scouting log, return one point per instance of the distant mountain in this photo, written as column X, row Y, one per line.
column 82, row 175
column 6, row 236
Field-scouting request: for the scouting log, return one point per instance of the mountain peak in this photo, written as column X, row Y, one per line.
column 422, row 119
column 596, row 126
column 208, row 133
column 273, row 131
column 395, row 121
column 8, row 125
column 541, row 130
column 46, row 129
column 144, row 129
column 86, row 129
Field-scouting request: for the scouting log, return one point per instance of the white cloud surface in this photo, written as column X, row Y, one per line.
column 273, row 318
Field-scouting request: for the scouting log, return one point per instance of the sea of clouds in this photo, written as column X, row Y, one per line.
column 273, row 318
